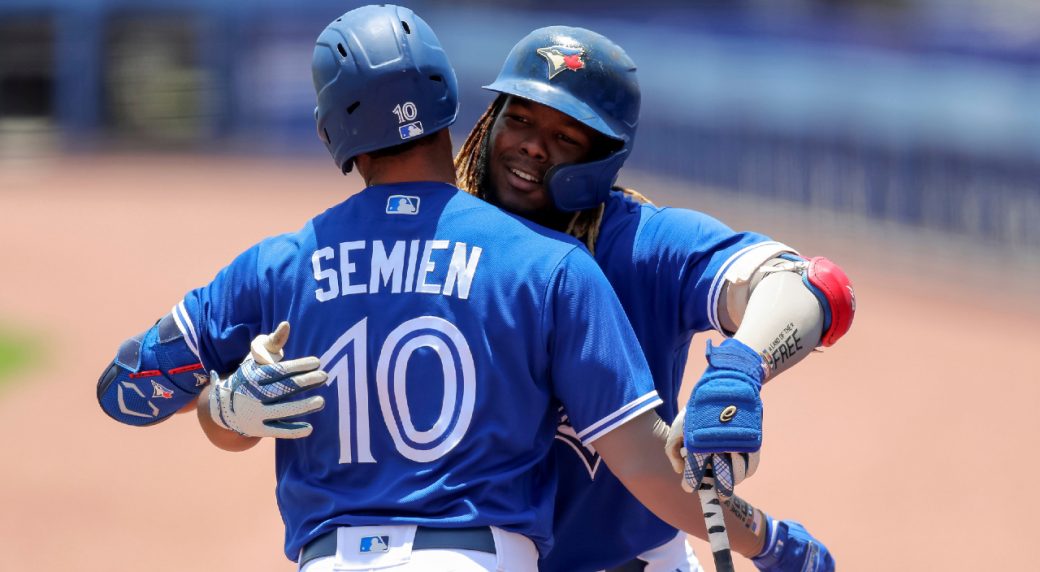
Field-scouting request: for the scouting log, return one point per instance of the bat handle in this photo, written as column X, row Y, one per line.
column 715, row 522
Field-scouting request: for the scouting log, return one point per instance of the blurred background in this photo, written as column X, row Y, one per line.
column 898, row 137
column 917, row 111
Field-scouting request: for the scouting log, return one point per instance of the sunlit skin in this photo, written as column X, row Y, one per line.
column 527, row 139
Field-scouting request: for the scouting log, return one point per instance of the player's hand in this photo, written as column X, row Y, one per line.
column 790, row 548
column 724, row 415
column 256, row 400
column 731, row 469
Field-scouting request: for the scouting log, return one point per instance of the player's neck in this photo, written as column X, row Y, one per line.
column 425, row 163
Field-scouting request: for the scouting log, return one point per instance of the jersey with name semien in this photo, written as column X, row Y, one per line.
column 451, row 332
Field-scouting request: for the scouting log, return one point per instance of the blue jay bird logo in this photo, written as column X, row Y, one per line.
column 562, row 58
column 402, row 204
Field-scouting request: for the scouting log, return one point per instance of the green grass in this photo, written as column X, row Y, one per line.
column 16, row 354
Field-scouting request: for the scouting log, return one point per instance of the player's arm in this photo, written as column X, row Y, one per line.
column 632, row 451
column 154, row 375
column 781, row 307
column 786, row 305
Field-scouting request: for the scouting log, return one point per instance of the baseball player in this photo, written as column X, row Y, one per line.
column 442, row 336
column 549, row 148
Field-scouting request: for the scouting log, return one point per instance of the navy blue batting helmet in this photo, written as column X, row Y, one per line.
column 382, row 79
column 590, row 78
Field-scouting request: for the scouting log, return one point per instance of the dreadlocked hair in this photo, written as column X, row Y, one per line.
column 471, row 167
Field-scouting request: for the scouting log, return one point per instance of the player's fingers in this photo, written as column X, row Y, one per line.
column 267, row 348
column 309, row 380
column 722, row 470
column 278, row 372
column 280, row 335
column 673, row 446
column 752, row 464
column 744, row 465
column 295, row 408
column 288, row 429
column 693, row 472
column 297, row 366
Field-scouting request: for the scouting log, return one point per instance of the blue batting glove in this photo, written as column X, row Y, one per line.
column 724, row 414
column 790, row 548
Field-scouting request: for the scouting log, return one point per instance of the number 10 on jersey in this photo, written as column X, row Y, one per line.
column 347, row 365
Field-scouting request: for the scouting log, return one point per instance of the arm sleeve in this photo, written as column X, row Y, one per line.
column 219, row 320
column 691, row 252
column 598, row 370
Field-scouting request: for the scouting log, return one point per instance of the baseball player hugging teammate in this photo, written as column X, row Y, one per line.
column 417, row 311
column 549, row 148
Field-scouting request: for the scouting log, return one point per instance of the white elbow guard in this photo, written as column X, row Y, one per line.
column 812, row 298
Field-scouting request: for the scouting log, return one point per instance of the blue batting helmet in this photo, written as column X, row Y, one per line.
column 590, row 78
column 382, row 79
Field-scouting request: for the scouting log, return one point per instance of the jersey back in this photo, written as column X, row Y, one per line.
column 451, row 333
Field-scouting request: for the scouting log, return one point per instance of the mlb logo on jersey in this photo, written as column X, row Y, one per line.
column 374, row 544
column 413, row 129
column 402, row 204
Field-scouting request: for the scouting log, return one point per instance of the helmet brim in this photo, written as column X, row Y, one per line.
column 559, row 99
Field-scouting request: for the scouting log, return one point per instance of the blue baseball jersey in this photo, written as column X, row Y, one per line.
column 452, row 332
column 666, row 266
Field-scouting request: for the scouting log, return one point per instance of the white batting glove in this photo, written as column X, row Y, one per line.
column 730, row 469
column 255, row 400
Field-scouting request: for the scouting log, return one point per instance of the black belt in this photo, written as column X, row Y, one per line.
column 478, row 538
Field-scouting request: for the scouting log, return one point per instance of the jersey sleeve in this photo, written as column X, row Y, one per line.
column 598, row 370
column 220, row 319
column 692, row 252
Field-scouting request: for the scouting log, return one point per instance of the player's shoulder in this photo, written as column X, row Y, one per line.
column 512, row 230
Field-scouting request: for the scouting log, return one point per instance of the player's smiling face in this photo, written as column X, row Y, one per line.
column 527, row 139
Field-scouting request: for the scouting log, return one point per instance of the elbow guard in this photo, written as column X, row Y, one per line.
column 828, row 282
column 153, row 375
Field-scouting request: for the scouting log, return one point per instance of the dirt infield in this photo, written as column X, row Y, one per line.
column 906, row 447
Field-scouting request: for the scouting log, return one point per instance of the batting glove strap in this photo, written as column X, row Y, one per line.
column 790, row 548
column 724, row 413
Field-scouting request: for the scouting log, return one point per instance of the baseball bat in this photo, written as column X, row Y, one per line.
column 714, row 521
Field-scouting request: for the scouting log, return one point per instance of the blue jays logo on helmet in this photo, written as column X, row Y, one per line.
column 562, row 58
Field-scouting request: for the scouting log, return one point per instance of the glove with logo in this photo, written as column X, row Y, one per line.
column 728, row 471
column 724, row 415
column 790, row 548
column 256, row 399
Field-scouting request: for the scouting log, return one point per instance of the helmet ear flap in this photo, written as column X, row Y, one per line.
column 580, row 186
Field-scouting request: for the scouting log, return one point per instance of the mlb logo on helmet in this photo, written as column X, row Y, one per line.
column 374, row 544
column 413, row 129
column 562, row 58
column 402, row 204
column 160, row 391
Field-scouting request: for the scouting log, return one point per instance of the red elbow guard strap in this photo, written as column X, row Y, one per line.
column 834, row 290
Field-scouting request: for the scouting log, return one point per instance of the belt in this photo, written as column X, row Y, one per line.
column 478, row 538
